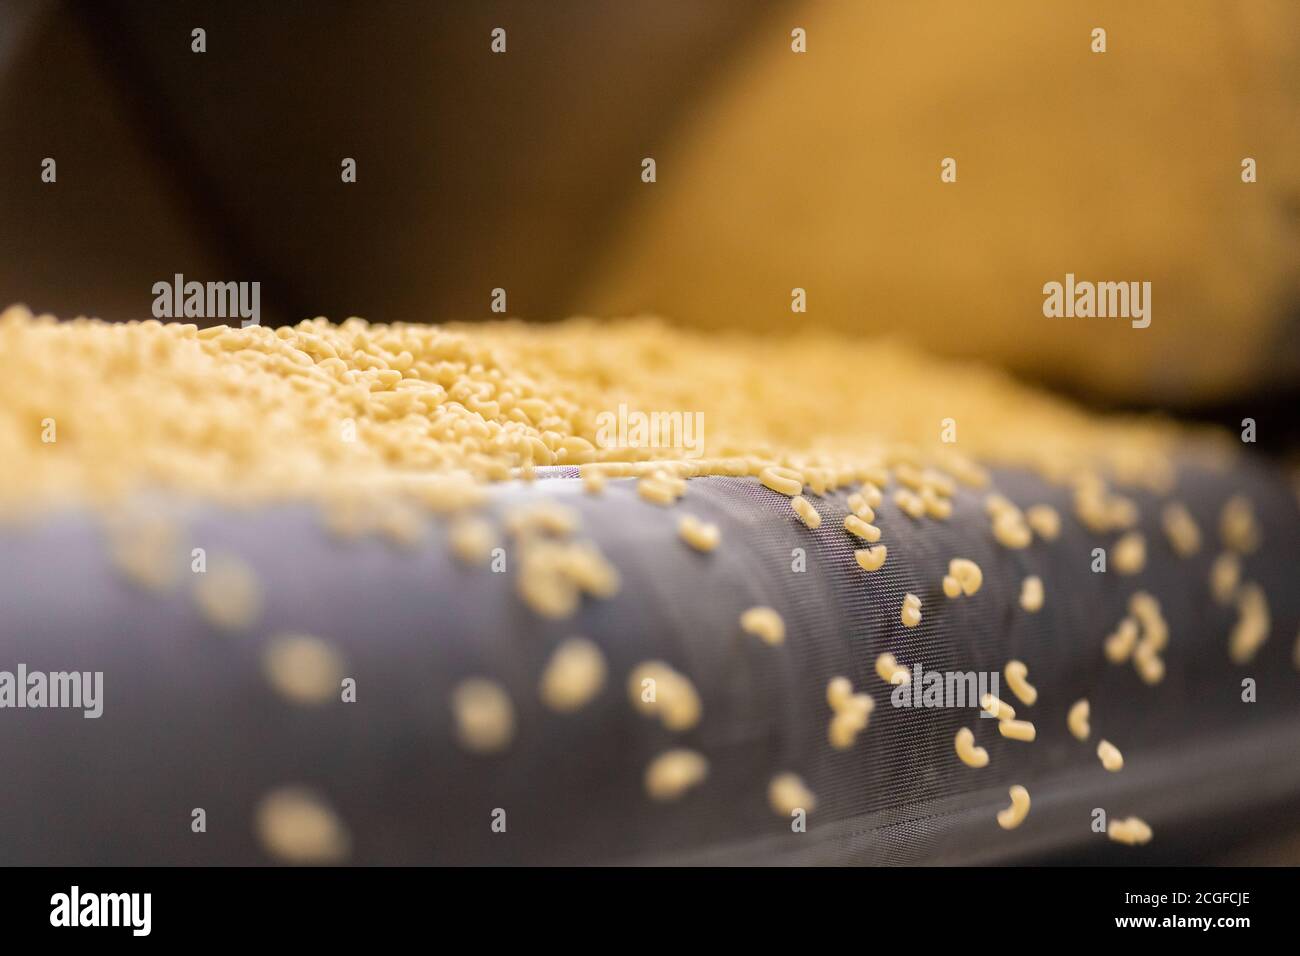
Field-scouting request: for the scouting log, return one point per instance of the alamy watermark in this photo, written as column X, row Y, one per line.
column 628, row 428
column 1103, row 300
column 945, row 689
column 208, row 300
column 77, row 690
column 75, row 908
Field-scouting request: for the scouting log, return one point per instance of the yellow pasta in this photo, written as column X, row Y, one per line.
column 764, row 623
column 700, row 535
column 1014, row 815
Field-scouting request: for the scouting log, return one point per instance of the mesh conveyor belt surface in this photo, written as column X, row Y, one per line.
column 189, row 720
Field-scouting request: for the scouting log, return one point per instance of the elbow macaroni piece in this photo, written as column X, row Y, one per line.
column 297, row 827
column 786, row 793
column 967, row 574
column 671, row 774
column 806, row 512
column 1110, row 756
column 871, row 559
column 573, row 676
column 700, row 535
column 1121, row 642
column 765, row 624
column 970, row 755
column 1010, row 530
column 228, row 594
column 305, row 670
column 1021, row 730
column 1181, row 529
column 889, row 670
column 1225, row 576
column 851, row 712
column 910, row 614
column 471, row 540
column 856, row 526
column 1031, row 594
column 1077, row 720
column 782, row 484
column 656, row 690
column 1130, row 553
column 1237, row 525
column 485, row 718
column 1014, row 815
column 1133, row 831
column 1017, row 675
column 1044, row 521
column 909, row 502
column 997, row 707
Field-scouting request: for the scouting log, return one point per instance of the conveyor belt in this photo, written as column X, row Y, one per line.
column 189, row 720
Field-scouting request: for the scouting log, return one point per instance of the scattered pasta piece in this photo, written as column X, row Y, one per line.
column 1014, row 815
column 967, row 574
column 1031, row 594
column 296, row 826
column 909, row 502
column 228, row 594
column 1225, row 576
column 485, row 718
column 1044, row 520
column 1121, row 642
column 997, row 707
column 1077, row 720
column 889, row 670
column 1130, row 553
column 573, row 676
column 1022, row 730
column 911, row 610
column 786, row 794
column 1110, row 756
column 857, row 503
column 471, row 540
column 542, row 517
column 1010, row 530
column 764, row 623
column 593, row 481
column 851, row 712
column 971, row 755
column 659, row 691
column 1132, row 831
column 144, row 548
column 870, row 559
column 700, row 535
column 1237, row 525
column 671, row 774
column 1253, row 624
column 838, row 692
column 1181, row 529
column 1017, row 675
column 936, row 506
column 871, row 494
column 806, row 512
column 782, row 484
column 1145, row 609
column 659, row 489
column 303, row 669
column 1150, row 666
column 856, row 526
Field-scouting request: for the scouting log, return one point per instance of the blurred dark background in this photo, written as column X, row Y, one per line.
column 475, row 170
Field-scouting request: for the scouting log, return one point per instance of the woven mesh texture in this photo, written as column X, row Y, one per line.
column 189, row 720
